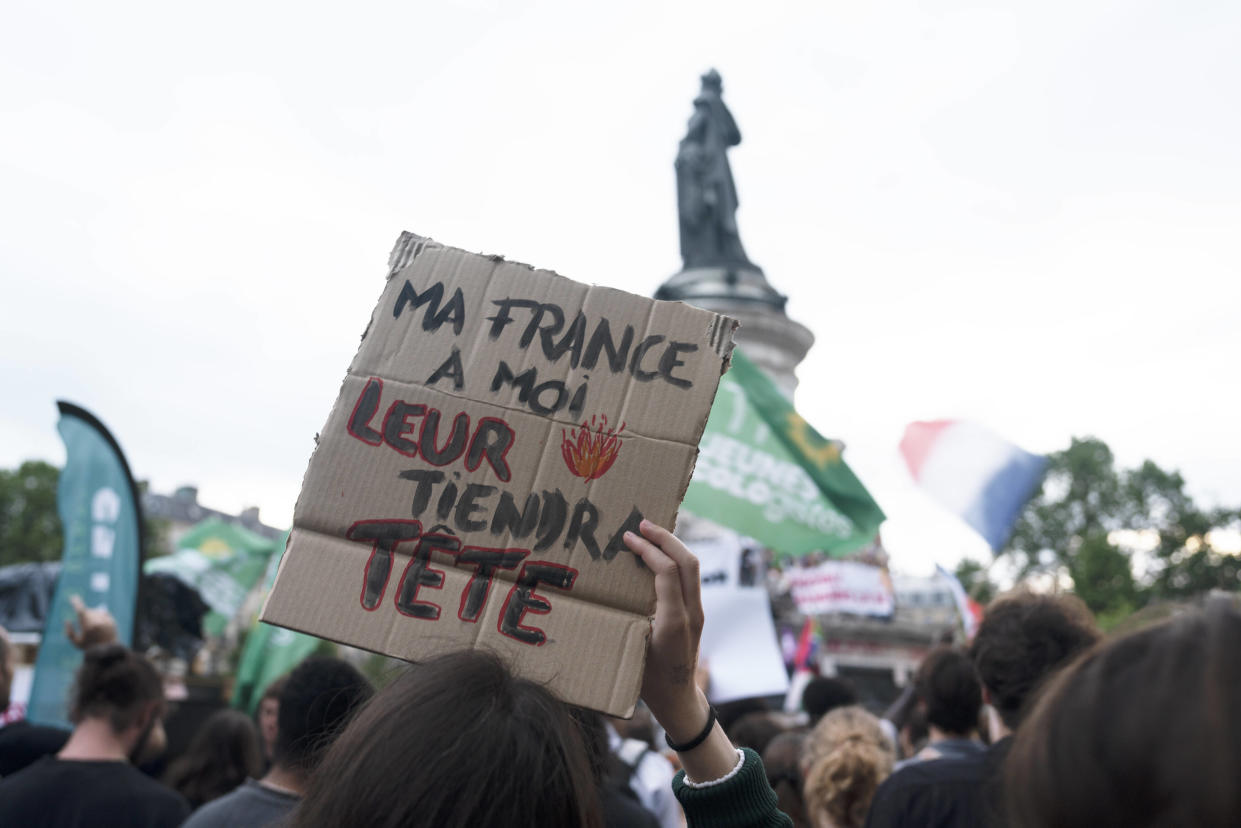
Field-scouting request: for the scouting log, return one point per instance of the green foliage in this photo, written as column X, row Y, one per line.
column 974, row 579
column 29, row 524
column 1070, row 525
column 1102, row 575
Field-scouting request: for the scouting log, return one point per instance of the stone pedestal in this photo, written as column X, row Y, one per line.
column 770, row 339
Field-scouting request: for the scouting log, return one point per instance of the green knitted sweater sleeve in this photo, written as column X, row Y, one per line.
column 744, row 801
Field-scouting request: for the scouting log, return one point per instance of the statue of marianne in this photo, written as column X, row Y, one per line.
column 706, row 194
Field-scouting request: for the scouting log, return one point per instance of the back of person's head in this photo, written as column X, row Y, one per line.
column 118, row 685
column 316, row 703
column 457, row 741
column 947, row 685
column 1145, row 730
column 824, row 694
column 728, row 713
column 639, row 726
column 782, row 761
column 222, row 754
column 844, row 760
column 1022, row 640
column 755, row 731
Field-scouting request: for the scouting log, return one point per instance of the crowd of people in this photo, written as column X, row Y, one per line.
column 1039, row 722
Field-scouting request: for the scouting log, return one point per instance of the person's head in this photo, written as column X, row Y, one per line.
column 120, row 689
column 269, row 709
column 456, row 741
column 317, row 701
column 844, row 760
column 782, row 761
column 755, row 731
column 1023, row 640
column 948, row 691
column 730, row 712
column 638, row 726
column 222, row 754
column 824, row 694
column 1144, row 730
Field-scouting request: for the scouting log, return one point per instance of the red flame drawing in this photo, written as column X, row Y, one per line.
column 590, row 453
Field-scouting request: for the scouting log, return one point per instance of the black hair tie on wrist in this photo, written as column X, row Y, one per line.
column 697, row 740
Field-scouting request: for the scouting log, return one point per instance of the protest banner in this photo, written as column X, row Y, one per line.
column 765, row 472
column 99, row 509
column 739, row 643
column 841, row 586
column 498, row 432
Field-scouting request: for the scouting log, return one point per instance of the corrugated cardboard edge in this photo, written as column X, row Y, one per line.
column 407, row 248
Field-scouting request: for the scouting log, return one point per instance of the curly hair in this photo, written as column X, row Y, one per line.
column 1022, row 641
column 845, row 758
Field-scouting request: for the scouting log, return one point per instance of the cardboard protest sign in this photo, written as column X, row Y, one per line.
column 499, row 430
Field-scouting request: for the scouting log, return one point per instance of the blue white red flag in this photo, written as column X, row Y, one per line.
column 974, row 473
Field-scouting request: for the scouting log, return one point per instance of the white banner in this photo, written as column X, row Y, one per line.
column 739, row 643
column 841, row 586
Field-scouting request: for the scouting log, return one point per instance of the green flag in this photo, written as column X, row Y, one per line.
column 223, row 562
column 269, row 652
column 764, row 472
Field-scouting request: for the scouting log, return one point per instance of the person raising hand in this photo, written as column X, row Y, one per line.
column 718, row 784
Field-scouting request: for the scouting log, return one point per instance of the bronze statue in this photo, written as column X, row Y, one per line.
column 706, row 195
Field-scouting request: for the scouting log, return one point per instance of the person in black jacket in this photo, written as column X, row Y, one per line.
column 117, row 711
column 1022, row 641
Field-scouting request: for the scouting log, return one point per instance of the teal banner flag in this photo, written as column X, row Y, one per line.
column 763, row 471
column 98, row 505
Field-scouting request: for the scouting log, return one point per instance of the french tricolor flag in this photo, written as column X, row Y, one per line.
column 973, row 472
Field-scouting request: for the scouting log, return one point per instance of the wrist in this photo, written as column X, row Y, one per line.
column 686, row 718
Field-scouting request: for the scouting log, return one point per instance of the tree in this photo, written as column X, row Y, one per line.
column 29, row 523
column 1076, row 524
column 975, row 580
column 1186, row 559
column 30, row 528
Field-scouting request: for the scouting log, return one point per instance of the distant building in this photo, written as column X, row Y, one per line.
column 182, row 511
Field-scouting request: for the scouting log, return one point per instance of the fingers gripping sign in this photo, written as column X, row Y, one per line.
column 668, row 684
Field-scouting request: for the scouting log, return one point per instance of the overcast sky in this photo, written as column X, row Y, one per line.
column 1024, row 214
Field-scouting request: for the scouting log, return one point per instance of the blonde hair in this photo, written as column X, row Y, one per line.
column 845, row 758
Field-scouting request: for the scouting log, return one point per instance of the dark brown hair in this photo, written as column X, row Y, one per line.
column 274, row 689
column 455, row 742
column 755, row 731
column 948, row 688
column 1143, row 731
column 115, row 683
column 782, row 761
column 223, row 752
column 316, row 703
column 1022, row 640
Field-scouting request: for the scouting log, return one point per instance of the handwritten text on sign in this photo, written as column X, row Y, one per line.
column 498, row 432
